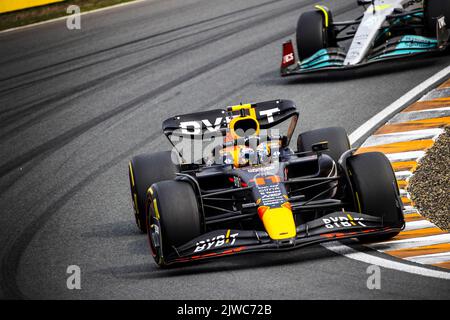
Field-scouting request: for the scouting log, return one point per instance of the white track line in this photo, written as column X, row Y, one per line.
column 436, row 94
column 403, row 175
column 409, row 209
column 379, row 139
column 358, row 135
column 65, row 17
column 405, row 156
column 420, row 115
column 421, row 224
column 411, row 243
column 351, row 253
column 431, row 258
column 396, row 106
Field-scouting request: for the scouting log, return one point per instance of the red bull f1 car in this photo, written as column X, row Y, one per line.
column 388, row 30
column 251, row 192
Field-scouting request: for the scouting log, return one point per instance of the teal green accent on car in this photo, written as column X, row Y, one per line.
column 321, row 59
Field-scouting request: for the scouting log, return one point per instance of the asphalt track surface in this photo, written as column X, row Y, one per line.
column 76, row 105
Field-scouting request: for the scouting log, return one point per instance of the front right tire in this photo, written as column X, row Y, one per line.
column 376, row 191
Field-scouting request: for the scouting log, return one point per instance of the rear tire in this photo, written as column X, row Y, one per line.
column 173, row 206
column 312, row 35
column 434, row 9
column 337, row 139
column 143, row 171
column 376, row 191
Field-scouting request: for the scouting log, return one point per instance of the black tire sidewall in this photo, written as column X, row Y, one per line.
column 179, row 215
column 434, row 9
column 147, row 170
column 376, row 189
column 337, row 138
column 311, row 34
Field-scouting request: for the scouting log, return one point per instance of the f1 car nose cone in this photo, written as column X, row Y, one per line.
column 278, row 222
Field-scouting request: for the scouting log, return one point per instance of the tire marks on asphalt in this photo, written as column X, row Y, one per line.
column 48, row 106
column 18, row 245
column 61, row 140
column 131, row 42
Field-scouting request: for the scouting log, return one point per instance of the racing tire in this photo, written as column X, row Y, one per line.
column 337, row 139
column 143, row 171
column 376, row 191
column 312, row 35
column 173, row 217
column 434, row 9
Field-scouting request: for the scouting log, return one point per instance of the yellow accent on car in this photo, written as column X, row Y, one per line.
column 250, row 117
column 136, row 208
column 359, row 203
column 130, row 167
column 227, row 236
column 238, row 107
column 325, row 13
column 382, row 7
column 351, row 219
column 135, row 202
column 155, row 206
column 236, row 151
column 279, row 223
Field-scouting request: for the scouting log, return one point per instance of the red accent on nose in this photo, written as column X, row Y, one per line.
column 261, row 211
column 288, row 54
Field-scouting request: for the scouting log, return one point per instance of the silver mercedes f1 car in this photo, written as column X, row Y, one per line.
column 388, row 29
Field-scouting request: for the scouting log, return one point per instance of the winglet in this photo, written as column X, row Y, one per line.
column 288, row 55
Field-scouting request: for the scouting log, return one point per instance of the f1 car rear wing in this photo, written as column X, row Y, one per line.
column 268, row 114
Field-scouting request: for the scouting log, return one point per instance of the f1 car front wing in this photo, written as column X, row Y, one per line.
column 337, row 225
column 332, row 59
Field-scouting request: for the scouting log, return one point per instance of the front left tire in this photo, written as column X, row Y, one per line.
column 312, row 34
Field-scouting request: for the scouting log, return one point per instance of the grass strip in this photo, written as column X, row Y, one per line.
column 51, row 11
